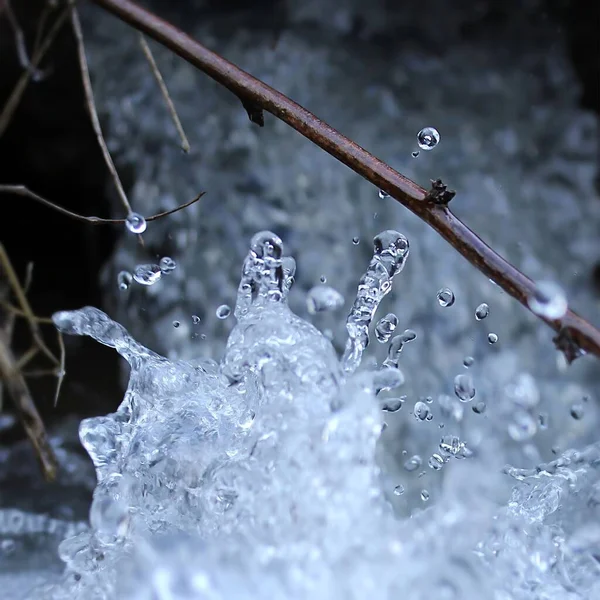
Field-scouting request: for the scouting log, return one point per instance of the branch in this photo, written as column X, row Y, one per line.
column 575, row 334
column 21, row 190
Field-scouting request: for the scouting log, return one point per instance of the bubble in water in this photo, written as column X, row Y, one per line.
column 147, row 274
column 482, row 311
column 383, row 194
column 399, row 490
column 464, row 388
column 577, row 411
column 356, row 240
column 415, row 153
column 479, row 408
column 428, row 138
column 393, row 404
column 422, row 412
column 523, row 426
column 413, row 463
column 323, row 298
column 436, row 462
column 223, row 311
column 492, row 338
column 124, row 279
column 385, row 327
column 445, row 297
column 424, row 495
column 135, row 223
column 195, row 319
column 167, row 264
column 548, row 300
column 468, row 361
column 176, row 324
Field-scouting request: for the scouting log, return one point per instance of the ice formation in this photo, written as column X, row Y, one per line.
column 258, row 477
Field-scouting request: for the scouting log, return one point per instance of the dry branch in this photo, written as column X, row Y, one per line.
column 575, row 334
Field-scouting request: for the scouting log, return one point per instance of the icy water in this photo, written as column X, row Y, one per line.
column 259, row 476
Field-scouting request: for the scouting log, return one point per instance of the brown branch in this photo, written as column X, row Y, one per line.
column 574, row 332
column 21, row 190
column 185, row 144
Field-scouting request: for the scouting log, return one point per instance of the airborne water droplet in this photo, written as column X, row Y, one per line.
column 424, row 495
column 356, row 240
column 223, row 311
column 464, row 388
column 415, row 153
column 399, row 490
column 147, row 274
column 577, row 411
column 413, row 463
column 323, row 298
column 468, row 361
column 482, row 311
column 385, row 327
column 428, row 138
column 393, row 404
column 167, row 264
column 195, row 319
column 383, row 194
column 445, row 297
column 548, row 300
column 479, row 408
column 135, row 223
column 176, row 324
column 422, row 412
column 436, row 462
column 124, row 280
column 408, row 335
column 492, row 338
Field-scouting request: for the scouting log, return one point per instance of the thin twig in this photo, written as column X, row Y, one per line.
column 22, row 190
column 61, row 368
column 574, row 332
column 15, row 97
column 19, row 38
column 91, row 105
column 16, row 387
column 185, row 144
column 18, row 291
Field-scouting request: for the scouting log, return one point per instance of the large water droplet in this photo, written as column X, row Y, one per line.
column 422, row 412
column 445, row 297
column 385, row 327
column 323, row 298
column 392, row 404
column 135, row 223
column 147, row 274
column 124, row 279
column 482, row 311
column 223, row 311
column 548, row 300
column 428, row 138
column 167, row 264
column 464, row 388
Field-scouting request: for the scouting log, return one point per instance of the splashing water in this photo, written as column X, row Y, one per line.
column 257, row 477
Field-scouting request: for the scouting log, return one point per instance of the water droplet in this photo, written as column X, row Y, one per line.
column 399, row 490
column 468, row 361
column 147, row 274
column 543, row 421
column 176, row 324
column 387, row 378
column 450, row 445
column 135, row 223
column 323, row 298
column 8, row 546
column 383, row 194
column 393, row 404
column 428, row 138
column 492, row 338
column 436, row 462
column 548, row 300
column 385, row 327
column 482, row 311
column 223, row 311
column 479, row 408
column 167, row 264
column 445, row 297
column 424, row 495
column 464, row 388
column 577, row 411
column 523, row 426
column 323, row 279
column 356, row 240
column 124, row 279
column 413, row 463
column 195, row 319
column 422, row 412
column 266, row 245
column 415, row 153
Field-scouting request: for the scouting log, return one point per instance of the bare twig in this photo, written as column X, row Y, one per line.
column 91, row 105
column 19, row 38
column 22, row 190
column 19, row 89
column 574, row 332
column 185, row 144
column 17, row 388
